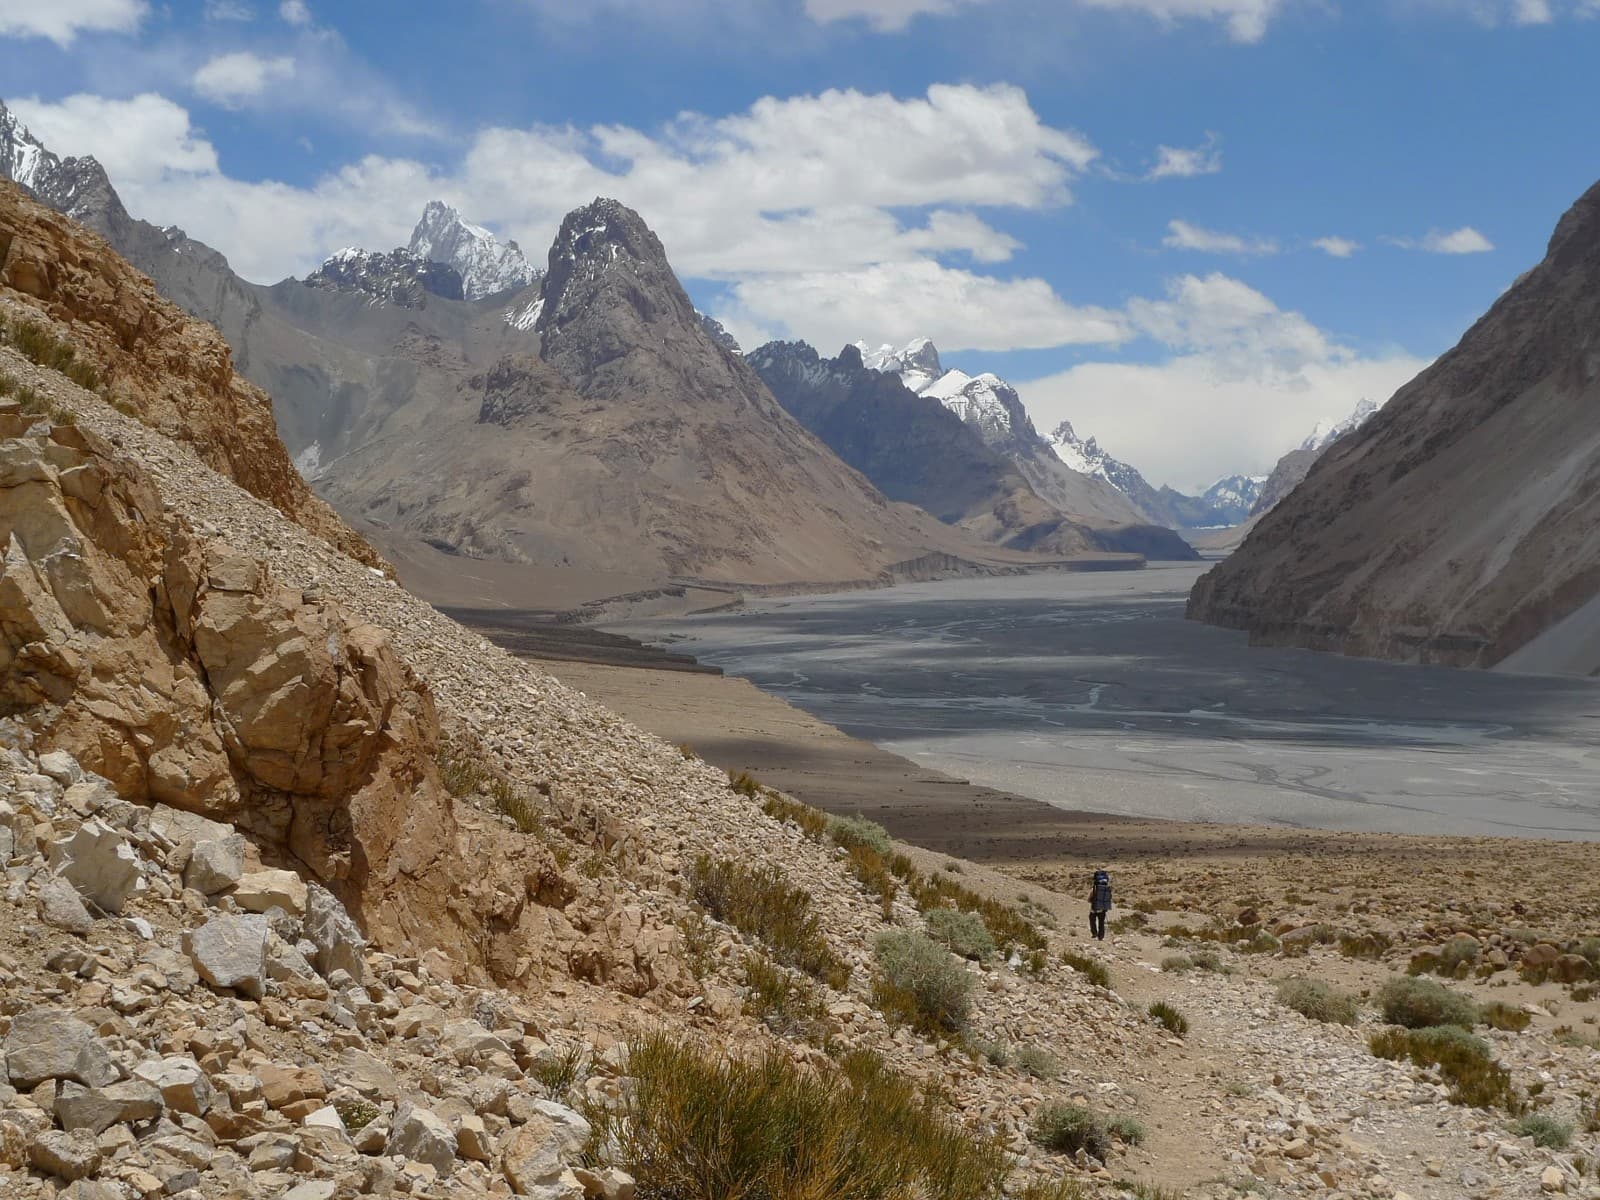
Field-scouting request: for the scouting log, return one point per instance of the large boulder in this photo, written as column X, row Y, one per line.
column 100, row 863
column 424, row 1136
column 537, row 1155
column 230, row 951
column 50, row 1043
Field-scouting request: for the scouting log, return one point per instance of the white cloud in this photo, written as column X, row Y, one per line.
column 1532, row 12
column 894, row 302
column 1181, row 235
column 295, row 12
column 885, row 16
column 1336, row 247
column 62, row 20
column 1247, row 382
column 229, row 78
column 144, row 141
column 1246, row 20
column 228, row 10
column 1465, row 240
column 808, row 207
column 1184, row 163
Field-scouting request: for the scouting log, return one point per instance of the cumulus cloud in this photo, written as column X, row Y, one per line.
column 1336, row 247
column 1243, row 381
column 62, row 20
column 228, row 10
column 229, row 78
column 143, row 141
column 1184, row 163
column 1465, row 240
column 811, row 209
column 295, row 12
column 1181, row 235
column 1245, row 20
column 894, row 302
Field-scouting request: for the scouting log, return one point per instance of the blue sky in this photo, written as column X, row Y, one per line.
column 1342, row 187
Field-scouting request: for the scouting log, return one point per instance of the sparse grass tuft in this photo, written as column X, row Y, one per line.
column 1054, row 1189
column 1068, row 1128
column 1169, row 1017
column 698, row 1125
column 918, row 982
column 1127, row 1130
column 699, row 941
column 811, row 822
column 760, row 902
column 963, row 932
column 559, row 1073
column 870, row 869
column 463, row 773
column 788, row 1004
column 1317, row 1000
column 1091, row 969
column 1419, row 1003
column 356, row 1114
column 1038, row 1062
column 996, row 1054
column 37, row 343
column 1546, row 1130
column 1177, row 964
column 850, row 832
column 745, row 784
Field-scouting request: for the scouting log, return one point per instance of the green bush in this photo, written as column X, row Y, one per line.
column 1315, row 999
column 1169, row 1017
column 1370, row 946
column 698, row 1125
column 964, row 932
column 1038, row 1062
column 1177, row 964
column 996, row 1054
column 1127, row 1130
column 1068, row 1128
column 759, row 901
column 919, row 982
column 1091, row 969
column 1546, row 1130
column 36, row 342
column 1464, row 1062
column 1417, row 1003
column 1209, row 960
column 858, row 831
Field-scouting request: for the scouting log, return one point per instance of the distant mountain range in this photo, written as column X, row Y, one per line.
column 993, row 408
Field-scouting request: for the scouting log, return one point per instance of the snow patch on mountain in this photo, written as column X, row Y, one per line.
column 1327, row 431
column 526, row 316
column 487, row 266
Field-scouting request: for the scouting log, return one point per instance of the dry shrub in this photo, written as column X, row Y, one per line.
column 1317, row 1000
column 1463, row 1061
column 919, row 983
column 1420, row 1003
column 698, row 1125
column 759, row 901
column 788, row 1004
column 1169, row 1018
column 850, row 832
column 964, row 932
column 1505, row 1017
column 810, row 821
column 1091, row 969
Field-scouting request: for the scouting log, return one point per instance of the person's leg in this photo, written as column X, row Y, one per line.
column 1101, row 920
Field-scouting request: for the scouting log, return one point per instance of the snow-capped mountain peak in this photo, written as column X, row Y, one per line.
column 917, row 362
column 486, row 265
column 21, row 154
column 1327, row 432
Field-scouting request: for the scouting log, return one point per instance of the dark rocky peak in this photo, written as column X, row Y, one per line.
column 398, row 277
column 77, row 187
column 719, row 335
column 610, row 292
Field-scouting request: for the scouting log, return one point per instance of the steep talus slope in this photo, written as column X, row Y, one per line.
column 1462, row 519
column 174, row 372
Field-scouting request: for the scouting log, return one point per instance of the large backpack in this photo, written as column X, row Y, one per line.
column 1102, row 892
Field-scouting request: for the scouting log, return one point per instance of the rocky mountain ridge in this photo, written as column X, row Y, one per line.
column 1458, row 524
column 927, row 452
column 399, row 277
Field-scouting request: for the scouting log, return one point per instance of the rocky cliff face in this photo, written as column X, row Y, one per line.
column 1464, row 518
column 174, row 372
column 400, row 277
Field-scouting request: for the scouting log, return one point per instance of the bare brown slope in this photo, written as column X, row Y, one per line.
column 1465, row 517
column 175, row 373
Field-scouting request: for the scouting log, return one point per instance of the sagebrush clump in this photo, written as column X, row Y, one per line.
column 858, row 831
column 920, row 983
column 1317, row 1000
column 1419, row 1003
column 963, row 932
column 759, row 901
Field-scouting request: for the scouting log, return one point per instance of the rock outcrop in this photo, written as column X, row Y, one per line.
column 399, row 277
column 1463, row 519
column 172, row 371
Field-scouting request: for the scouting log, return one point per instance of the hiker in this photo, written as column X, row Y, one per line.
column 1099, row 905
